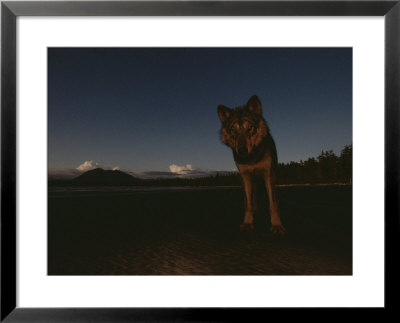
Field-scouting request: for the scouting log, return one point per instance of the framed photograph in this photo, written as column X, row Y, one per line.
column 162, row 158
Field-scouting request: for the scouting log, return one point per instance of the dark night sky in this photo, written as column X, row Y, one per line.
column 146, row 109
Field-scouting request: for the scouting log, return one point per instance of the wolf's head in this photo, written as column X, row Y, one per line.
column 243, row 128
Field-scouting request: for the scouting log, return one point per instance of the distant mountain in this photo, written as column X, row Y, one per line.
column 101, row 177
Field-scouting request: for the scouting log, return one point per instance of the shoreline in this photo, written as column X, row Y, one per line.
column 63, row 191
column 191, row 186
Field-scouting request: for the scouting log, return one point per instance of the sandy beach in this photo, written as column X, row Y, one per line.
column 196, row 232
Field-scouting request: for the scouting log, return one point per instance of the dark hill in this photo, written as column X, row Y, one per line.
column 101, row 177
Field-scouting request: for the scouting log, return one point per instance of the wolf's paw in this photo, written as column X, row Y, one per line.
column 246, row 226
column 278, row 229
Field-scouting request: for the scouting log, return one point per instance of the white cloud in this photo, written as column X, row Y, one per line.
column 90, row 164
column 182, row 170
column 87, row 165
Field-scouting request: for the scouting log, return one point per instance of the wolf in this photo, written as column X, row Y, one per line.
column 246, row 132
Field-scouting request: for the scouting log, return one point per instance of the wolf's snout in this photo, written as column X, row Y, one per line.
column 241, row 145
column 242, row 150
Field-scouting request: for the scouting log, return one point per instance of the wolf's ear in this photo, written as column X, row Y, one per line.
column 254, row 105
column 224, row 113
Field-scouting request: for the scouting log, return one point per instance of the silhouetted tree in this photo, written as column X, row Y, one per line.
column 346, row 163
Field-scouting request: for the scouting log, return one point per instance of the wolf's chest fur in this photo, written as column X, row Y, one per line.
column 259, row 168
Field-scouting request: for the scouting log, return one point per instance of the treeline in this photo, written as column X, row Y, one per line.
column 326, row 168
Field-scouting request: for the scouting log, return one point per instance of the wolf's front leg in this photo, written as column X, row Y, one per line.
column 276, row 224
column 247, row 224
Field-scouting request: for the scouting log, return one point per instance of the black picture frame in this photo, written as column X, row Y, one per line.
column 10, row 10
